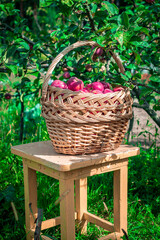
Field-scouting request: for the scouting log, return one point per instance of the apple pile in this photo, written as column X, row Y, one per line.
column 7, row 96
column 75, row 84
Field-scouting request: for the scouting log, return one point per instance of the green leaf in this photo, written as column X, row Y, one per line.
column 126, row 37
column 13, row 68
column 18, row 40
column 70, row 63
column 25, row 45
column 45, row 3
column 130, row 12
column 9, row 193
column 2, row 7
column 124, row 77
column 3, row 77
column 11, row 51
column 135, row 43
column 156, row 107
column 25, row 80
column 125, row 19
column 155, row 79
column 131, row 66
column 110, row 7
column 137, row 28
column 137, row 58
column 34, row 73
column 100, row 40
column 129, row 75
column 36, row 46
column 119, row 37
column 137, row 76
column 69, row 3
column 94, row 8
column 145, row 30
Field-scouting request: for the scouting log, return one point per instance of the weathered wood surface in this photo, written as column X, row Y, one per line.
column 81, row 202
column 30, row 192
column 67, row 211
column 120, row 190
column 43, row 153
column 99, row 221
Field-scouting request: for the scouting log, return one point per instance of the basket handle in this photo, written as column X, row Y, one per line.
column 68, row 49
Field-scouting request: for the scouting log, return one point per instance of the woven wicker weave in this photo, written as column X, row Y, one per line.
column 83, row 123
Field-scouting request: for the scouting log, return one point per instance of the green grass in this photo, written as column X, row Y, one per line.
column 143, row 183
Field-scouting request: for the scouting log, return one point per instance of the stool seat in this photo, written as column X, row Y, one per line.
column 73, row 170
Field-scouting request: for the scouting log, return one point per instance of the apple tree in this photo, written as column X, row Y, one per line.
column 34, row 32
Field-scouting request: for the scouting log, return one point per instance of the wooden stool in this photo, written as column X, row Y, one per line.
column 68, row 169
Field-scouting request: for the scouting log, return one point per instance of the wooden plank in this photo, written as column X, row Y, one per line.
column 67, row 211
column 30, row 192
column 43, row 169
column 81, row 202
column 77, row 173
column 99, row 221
column 52, row 222
column 112, row 236
column 120, row 199
column 44, row 154
column 95, row 170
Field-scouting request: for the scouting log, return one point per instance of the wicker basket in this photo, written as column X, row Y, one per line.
column 83, row 123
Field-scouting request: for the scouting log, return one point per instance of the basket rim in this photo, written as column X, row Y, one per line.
column 69, row 106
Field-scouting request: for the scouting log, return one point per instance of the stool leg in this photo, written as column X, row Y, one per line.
column 30, row 192
column 120, row 199
column 67, row 211
column 81, row 202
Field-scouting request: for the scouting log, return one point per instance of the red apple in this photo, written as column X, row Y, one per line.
column 99, row 52
column 118, row 89
column 150, row 1
column 107, row 90
column 85, row 90
column 59, row 83
column 98, row 86
column 89, row 87
column 66, row 75
column 106, row 85
column 71, row 81
column 76, row 86
column 88, row 67
column 97, row 91
column 30, row 46
column 65, row 69
column 7, row 96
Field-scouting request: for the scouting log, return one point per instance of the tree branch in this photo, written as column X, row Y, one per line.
column 30, row 42
column 35, row 17
column 39, row 49
column 90, row 18
column 143, row 85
